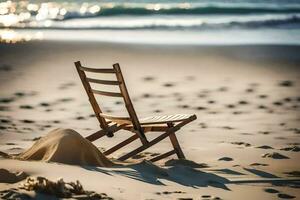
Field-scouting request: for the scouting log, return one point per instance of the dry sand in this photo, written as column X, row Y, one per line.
column 247, row 99
column 68, row 147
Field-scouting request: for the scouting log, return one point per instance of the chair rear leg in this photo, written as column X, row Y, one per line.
column 175, row 143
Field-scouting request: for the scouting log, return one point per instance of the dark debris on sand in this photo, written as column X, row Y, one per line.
column 51, row 189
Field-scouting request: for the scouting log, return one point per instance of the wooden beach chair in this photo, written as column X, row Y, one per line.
column 110, row 124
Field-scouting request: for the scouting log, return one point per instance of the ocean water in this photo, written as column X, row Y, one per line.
column 153, row 21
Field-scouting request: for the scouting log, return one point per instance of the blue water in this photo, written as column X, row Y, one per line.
column 202, row 20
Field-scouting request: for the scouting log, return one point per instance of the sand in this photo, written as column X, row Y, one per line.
column 246, row 99
column 68, row 147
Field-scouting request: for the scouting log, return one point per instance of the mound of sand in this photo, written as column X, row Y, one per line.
column 66, row 146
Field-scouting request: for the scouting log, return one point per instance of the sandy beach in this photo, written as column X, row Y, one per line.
column 245, row 138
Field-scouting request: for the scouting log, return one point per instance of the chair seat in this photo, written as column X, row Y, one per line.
column 164, row 119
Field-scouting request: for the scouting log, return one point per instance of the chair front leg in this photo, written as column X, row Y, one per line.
column 157, row 139
column 175, row 143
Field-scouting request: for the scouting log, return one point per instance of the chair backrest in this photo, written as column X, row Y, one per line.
column 120, row 83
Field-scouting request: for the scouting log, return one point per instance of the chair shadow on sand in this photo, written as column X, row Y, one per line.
column 192, row 177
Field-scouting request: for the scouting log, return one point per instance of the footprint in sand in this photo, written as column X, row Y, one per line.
column 201, row 108
column 168, row 192
column 27, row 121
column 280, row 195
column 5, row 67
column 280, row 138
column 285, row 196
column 168, row 84
column 237, row 112
column 270, row 190
column 293, row 143
column 26, row 107
column 148, row 78
column 209, row 197
column 5, row 121
column 259, row 164
column 286, row 83
column 66, row 85
column 293, row 148
column 246, row 133
column 188, row 163
column 227, row 127
column 119, row 102
column 4, row 108
column 146, row 95
column 202, row 125
column 19, row 94
column 293, row 173
column 10, row 143
column 183, row 106
column 264, row 147
column 80, row 118
column 243, row 102
column 6, row 100
column 190, row 78
column 223, row 89
column 241, row 144
column 33, row 139
column 249, row 90
column 274, row 155
column 225, row 159
column 262, row 107
column 44, row 104
column 202, row 95
column 277, row 103
column 263, row 96
column 230, row 106
column 64, row 100
column 295, row 130
column 287, row 99
column 264, row 132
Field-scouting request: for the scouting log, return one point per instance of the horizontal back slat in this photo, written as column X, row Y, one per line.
column 112, row 117
column 104, row 93
column 104, row 82
column 98, row 70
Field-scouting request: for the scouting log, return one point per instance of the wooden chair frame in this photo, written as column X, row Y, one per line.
column 111, row 124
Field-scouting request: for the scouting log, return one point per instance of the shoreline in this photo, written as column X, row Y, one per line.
column 159, row 36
